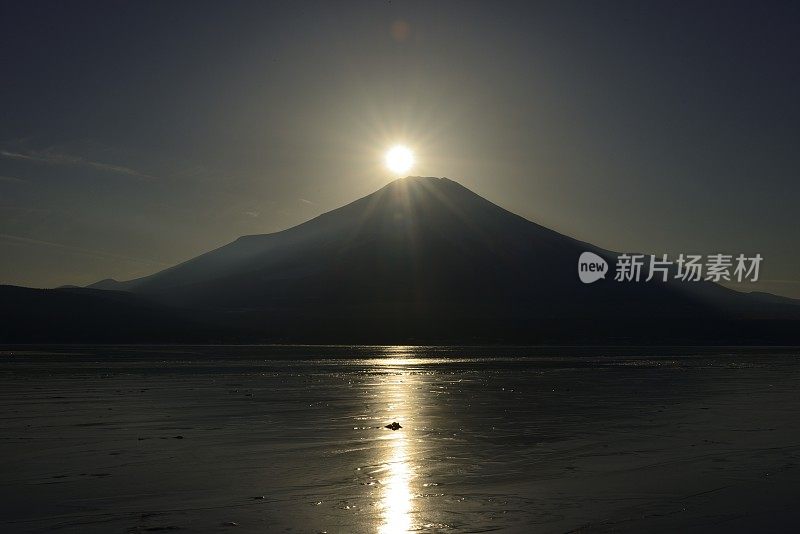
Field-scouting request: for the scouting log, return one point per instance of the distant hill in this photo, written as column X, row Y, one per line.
column 427, row 260
column 110, row 284
column 68, row 315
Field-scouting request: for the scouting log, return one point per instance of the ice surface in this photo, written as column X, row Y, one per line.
column 278, row 439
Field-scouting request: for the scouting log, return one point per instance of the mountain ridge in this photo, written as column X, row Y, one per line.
column 388, row 199
column 425, row 259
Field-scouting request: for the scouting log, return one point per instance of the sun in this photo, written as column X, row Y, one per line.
column 399, row 159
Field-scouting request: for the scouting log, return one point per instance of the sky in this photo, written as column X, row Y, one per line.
column 136, row 135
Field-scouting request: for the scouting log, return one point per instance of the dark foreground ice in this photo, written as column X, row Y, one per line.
column 293, row 439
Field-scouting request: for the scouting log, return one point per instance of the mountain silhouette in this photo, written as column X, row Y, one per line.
column 414, row 240
column 427, row 260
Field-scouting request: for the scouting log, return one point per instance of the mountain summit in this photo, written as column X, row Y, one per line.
column 425, row 259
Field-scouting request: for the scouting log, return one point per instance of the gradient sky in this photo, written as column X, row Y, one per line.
column 135, row 135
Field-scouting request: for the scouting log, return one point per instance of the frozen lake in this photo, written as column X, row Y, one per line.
column 292, row 439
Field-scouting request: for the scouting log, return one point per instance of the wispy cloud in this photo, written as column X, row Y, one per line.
column 79, row 250
column 304, row 201
column 12, row 179
column 51, row 157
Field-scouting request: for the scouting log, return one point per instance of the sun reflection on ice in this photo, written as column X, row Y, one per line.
column 396, row 498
